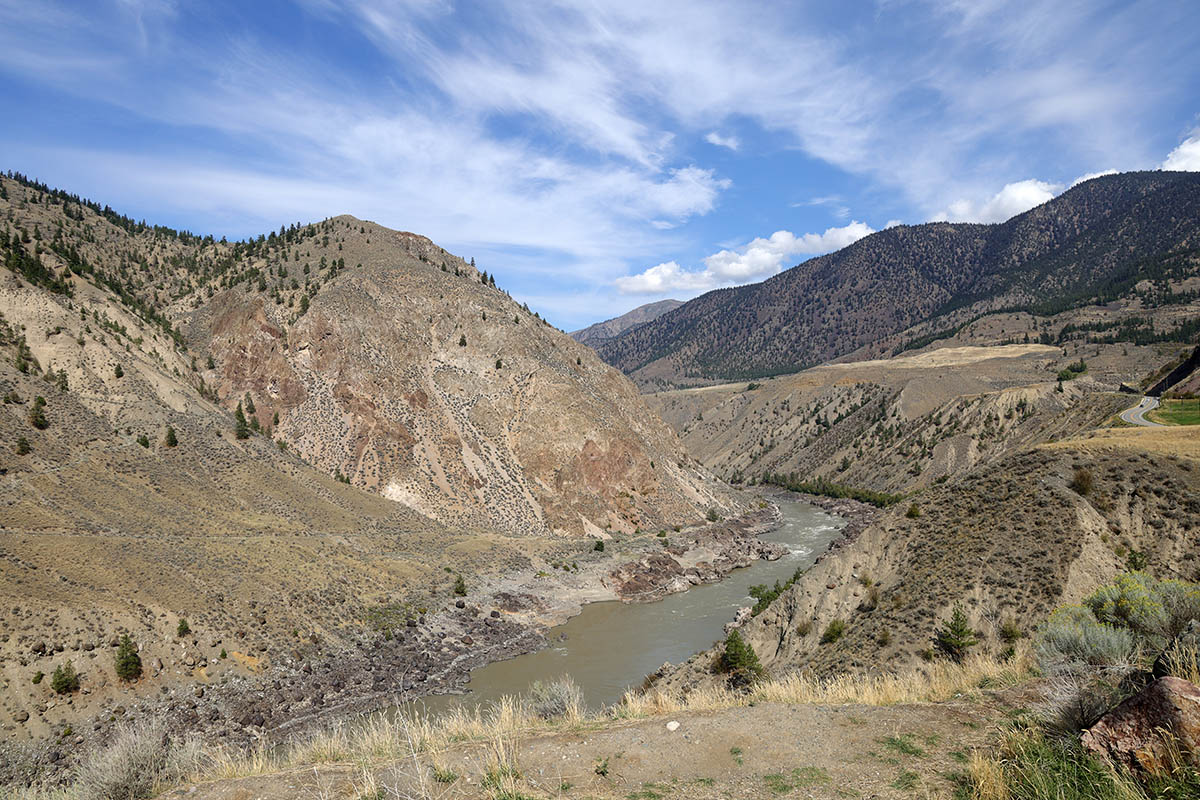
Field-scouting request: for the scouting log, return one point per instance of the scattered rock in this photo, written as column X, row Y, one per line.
column 672, row 726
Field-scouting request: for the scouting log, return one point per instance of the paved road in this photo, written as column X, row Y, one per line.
column 1137, row 414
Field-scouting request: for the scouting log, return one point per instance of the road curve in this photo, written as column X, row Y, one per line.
column 1137, row 414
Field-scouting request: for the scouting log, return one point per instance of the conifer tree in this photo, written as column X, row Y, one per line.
column 171, row 440
column 955, row 637
column 128, row 663
column 64, row 680
column 240, row 427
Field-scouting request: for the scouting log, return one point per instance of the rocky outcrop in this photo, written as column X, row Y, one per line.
column 1151, row 730
column 418, row 380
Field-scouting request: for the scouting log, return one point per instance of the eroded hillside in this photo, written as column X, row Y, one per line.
column 1009, row 542
column 908, row 422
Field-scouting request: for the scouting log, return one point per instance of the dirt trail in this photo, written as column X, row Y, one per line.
column 769, row 750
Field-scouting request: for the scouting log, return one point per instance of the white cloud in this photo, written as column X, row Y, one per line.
column 666, row 277
column 761, row 258
column 717, row 139
column 1090, row 175
column 1013, row 199
column 1186, row 157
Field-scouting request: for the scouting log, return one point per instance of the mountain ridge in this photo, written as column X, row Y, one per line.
column 600, row 331
column 1095, row 240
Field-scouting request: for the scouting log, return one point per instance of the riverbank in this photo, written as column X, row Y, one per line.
column 863, row 736
column 272, row 697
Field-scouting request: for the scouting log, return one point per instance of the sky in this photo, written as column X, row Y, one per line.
column 595, row 156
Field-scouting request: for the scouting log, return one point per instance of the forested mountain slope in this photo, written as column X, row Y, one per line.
column 1098, row 241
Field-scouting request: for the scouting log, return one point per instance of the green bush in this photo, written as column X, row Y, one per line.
column 460, row 587
column 598, row 546
column 833, row 631
column 913, row 512
column 37, row 414
column 826, row 488
column 1120, row 629
column 182, row 629
column 23, row 447
column 171, row 440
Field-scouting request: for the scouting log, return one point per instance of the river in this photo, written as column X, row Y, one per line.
column 611, row 646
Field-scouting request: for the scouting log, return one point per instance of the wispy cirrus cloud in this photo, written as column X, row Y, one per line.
column 577, row 142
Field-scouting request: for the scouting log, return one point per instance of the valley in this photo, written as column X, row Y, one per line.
column 336, row 470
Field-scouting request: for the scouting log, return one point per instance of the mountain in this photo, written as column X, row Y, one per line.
column 1107, row 238
column 599, row 332
column 298, row 445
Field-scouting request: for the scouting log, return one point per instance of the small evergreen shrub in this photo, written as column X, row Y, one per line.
column 37, row 414
column 23, row 447
column 460, row 587
column 955, row 638
column 183, row 629
column 833, row 631
column 598, row 546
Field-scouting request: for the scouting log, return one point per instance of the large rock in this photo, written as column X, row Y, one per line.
column 1144, row 731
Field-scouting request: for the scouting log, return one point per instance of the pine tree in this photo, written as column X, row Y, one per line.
column 23, row 446
column 128, row 663
column 211, row 364
column 120, row 373
column 171, row 440
column 250, row 409
column 183, row 629
column 240, row 427
column 740, row 661
column 460, row 587
column 956, row 636
column 65, row 680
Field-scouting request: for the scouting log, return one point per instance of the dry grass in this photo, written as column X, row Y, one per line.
column 413, row 744
column 934, row 682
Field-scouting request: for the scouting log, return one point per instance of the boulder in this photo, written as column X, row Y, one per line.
column 1145, row 731
column 742, row 616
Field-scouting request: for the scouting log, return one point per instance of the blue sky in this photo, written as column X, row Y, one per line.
column 595, row 155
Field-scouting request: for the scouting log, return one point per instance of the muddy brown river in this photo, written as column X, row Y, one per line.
column 611, row 646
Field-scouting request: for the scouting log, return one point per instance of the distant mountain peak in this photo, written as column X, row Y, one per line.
column 609, row 328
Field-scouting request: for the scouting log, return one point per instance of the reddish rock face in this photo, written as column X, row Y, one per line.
column 1147, row 729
